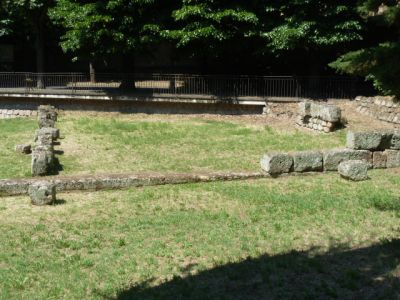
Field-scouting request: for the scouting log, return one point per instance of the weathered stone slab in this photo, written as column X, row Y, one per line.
column 366, row 140
column 42, row 139
column 305, row 108
column 54, row 133
column 42, row 193
column 23, row 148
column 355, row 170
column 326, row 112
column 277, row 163
column 393, row 158
column 307, row 161
column 379, row 160
column 42, row 160
column 332, row 158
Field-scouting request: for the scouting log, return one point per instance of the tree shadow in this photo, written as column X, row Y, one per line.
column 365, row 273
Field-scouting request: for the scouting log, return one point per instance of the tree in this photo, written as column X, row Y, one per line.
column 212, row 28
column 31, row 16
column 96, row 30
column 379, row 60
column 314, row 28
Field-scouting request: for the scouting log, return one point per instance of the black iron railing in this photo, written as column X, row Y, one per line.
column 183, row 85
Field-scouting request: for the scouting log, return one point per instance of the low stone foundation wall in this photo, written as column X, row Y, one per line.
column 120, row 181
column 7, row 112
column 27, row 106
column 380, row 107
column 377, row 149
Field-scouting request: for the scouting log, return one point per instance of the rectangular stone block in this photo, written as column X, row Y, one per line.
column 277, row 163
column 326, row 112
column 367, row 140
column 332, row 158
column 304, row 108
column 393, row 158
column 42, row 160
column 53, row 133
column 379, row 159
column 307, row 161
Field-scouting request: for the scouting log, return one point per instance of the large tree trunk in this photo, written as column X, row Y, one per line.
column 92, row 72
column 128, row 70
column 40, row 64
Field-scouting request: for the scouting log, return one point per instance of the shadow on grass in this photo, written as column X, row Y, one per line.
column 56, row 168
column 59, row 202
column 366, row 273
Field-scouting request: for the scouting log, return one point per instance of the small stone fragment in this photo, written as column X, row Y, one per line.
column 355, row 170
column 42, row 193
column 395, row 140
column 276, row 163
column 23, row 148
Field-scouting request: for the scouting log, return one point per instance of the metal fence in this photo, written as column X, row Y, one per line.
column 178, row 85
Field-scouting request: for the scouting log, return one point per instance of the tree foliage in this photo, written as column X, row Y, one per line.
column 290, row 25
column 209, row 27
column 103, row 28
column 379, row 61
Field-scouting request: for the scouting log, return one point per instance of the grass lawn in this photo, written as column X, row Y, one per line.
column 314, row 237
column 100, row 144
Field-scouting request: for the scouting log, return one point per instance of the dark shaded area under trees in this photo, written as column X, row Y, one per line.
column 207, row 36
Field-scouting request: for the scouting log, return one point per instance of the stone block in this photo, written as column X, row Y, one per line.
column 23, row 148
column 304, row 108
column 393, row 158
column 54, row 133
column 379, row 159
column 277, row 163
column 395, row 140
column 42, row 193
column 332, row 158
column 47, row 116
column 307, row 161
column 43, row 139
column 326, row 112
column 367, row 140
column 42, row 160
column 355, row 170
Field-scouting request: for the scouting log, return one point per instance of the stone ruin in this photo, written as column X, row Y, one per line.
column 42, row 193
column 376, row 149
column 319, row 116
column 43, row 158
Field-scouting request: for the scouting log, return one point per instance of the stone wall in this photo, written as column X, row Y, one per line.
column 380, row 107
column 378, row 149
column 20, row 106
column 319, row 116
column 10, row 113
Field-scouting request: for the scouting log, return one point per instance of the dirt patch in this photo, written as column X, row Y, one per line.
column 281, row 117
